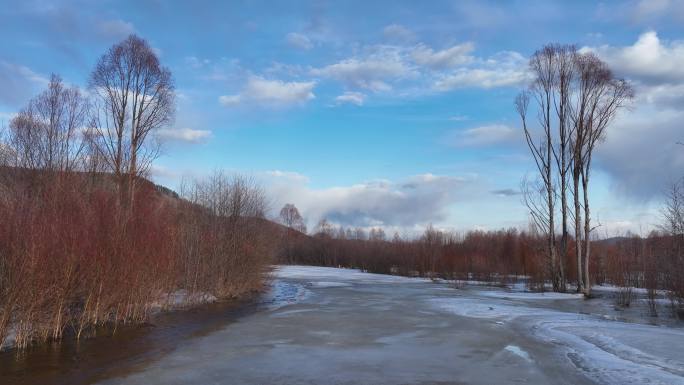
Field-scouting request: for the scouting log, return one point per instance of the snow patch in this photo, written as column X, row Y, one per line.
column 182, row 297
column 283, row 294
column 328, row 274
column 325, row 284
column 609, row 352
column 518, row 352
column 527, row 295
column 478, row 308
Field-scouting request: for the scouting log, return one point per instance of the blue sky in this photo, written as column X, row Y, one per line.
column 374, row 113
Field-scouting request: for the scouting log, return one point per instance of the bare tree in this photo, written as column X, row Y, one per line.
column 6, row 152
column 543, row 66
column 673, row 212
column 565, row 57
column 47, row 133
column 231, row 236
column 290, row 217
column 673, row 227
column 598, row 97
column 377, row 234
column 135, row 96
column 324, row 228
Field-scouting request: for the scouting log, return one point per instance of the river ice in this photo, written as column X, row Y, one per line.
column 340, row 326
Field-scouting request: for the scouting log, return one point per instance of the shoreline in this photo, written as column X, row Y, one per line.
column 70, row 361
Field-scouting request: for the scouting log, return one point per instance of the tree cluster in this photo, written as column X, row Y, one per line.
column 86, row 242
column 576, row 97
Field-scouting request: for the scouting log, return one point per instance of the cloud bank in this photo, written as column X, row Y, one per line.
column 414, row 201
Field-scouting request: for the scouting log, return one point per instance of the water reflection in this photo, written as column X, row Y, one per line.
column 130, row 349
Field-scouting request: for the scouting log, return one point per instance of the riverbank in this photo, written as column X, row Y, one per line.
column 72, row 362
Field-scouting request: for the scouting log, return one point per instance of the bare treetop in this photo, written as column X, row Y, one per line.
column 47, row 133
column 290, row 217
column 135, row 96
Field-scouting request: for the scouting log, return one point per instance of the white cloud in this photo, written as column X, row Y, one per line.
column 298, row 40
column 649, row 59
column 291, row 175
column 230, row 100
column 398, row 33
column 417, row 200
column 446, row 58
column 663, row 96
column 419, row 69
column 479, row 78
column 271, row 92
column 159, row 172
column 351, row 98
column 373, row 72
column 640, row 152
column 482, row 136
column 502, row 70
column 184, row 134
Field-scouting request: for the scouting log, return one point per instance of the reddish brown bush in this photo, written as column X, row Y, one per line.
column 73, row 259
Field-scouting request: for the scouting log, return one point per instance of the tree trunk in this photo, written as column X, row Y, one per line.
column 564, row 236
column 587, row 231
column 578, row 230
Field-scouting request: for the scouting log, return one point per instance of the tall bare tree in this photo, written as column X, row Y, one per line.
column 565, row 57
column 135, row 96
column 598, row 98
column 543, row 66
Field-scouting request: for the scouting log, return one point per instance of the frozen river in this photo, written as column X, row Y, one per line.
column 337, row 326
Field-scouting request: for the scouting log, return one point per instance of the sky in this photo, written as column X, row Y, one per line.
column 375, row 113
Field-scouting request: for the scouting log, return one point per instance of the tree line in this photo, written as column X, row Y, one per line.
column 86, row 242
column 501, row 257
